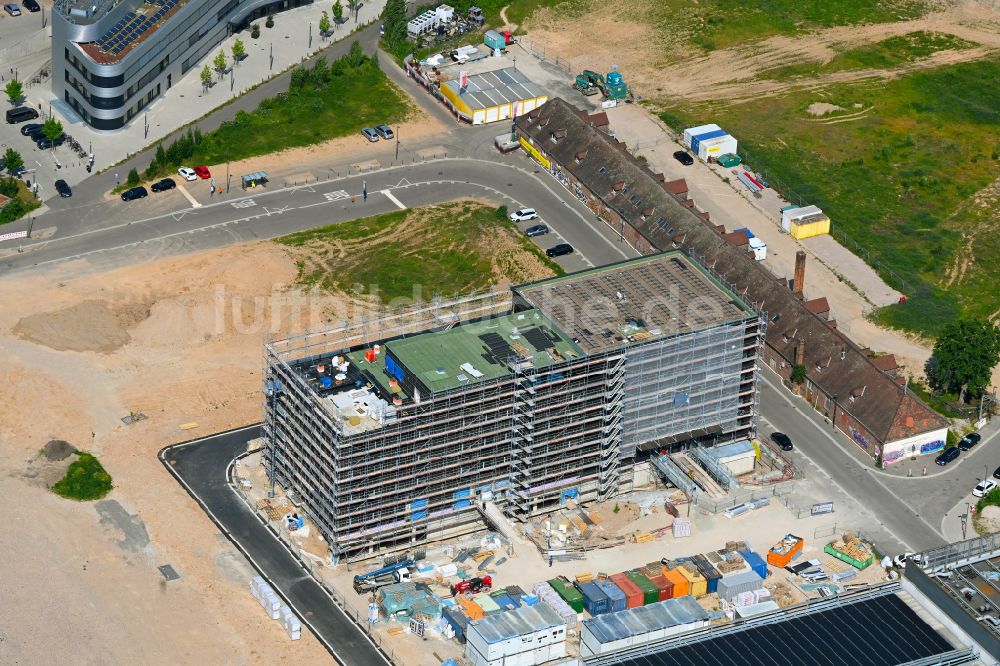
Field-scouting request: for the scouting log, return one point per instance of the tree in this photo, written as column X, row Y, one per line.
column 394, row 18
column 12, row 161
column 206, row 77
column 324, row 25
column 964, row 357
column 338, row 12
column 133, row 178
column 14, row 91
column 255, row 31
column 798, row 374
column 239, row 50
column 52, row 130
column 220, row 63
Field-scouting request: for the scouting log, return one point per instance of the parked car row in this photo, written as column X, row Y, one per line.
column 965, row 444
column 31, row 5
column 379, row 131
column 140, row 192
column 527, row 214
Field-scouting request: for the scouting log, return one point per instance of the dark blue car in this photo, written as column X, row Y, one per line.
column 947, row 455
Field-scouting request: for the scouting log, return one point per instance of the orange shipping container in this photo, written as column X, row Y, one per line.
column 782, row 552
column 633, row 595
column 665, row 587
column 472, row 609
column 697, row 585
column 681, row 586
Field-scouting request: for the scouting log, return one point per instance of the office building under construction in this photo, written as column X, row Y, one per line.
column 399, row 430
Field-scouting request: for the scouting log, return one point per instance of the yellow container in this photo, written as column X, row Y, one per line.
column 808, row 229
column 697, row 585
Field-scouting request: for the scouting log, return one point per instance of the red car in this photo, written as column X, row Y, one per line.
column 203, row 172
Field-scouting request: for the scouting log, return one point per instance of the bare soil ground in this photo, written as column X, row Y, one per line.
column 657, row 65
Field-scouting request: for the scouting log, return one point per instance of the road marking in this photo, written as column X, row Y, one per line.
column 194, row 202
column 245, row 203
column 836, row 443
column 337, row 196
column 403, row 183
column 391, row 197
column 181, row 214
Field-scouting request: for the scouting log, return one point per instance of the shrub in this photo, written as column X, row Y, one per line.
column 85, row 479
column 502, row 212
column 133, row 178
column 798, row 374
column 270, row 21
column 255, row 32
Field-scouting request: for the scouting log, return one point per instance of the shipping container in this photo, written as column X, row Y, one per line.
column 665, row 586
column 568, row 592
column 615, row 596
column 458, row 620
column 698, row 139
column 716, row 147
column 633, row 595
column 710, row 573
column 650, row 593
column 691, row 132
column 681, row 585
column 697, row 585
column 784, row 551
column 756, row 562
column 494, row 40
column 594, row 600
column 732, row 586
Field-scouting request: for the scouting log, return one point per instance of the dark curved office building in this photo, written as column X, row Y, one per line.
column 112, row 58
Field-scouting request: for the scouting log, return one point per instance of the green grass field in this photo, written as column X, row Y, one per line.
column 85, row 479
column 886, row 54
column 900, row 179
column 447, row 250
column 323, row 102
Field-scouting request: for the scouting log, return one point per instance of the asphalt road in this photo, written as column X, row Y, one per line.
column 264, row 214
column 201, row 467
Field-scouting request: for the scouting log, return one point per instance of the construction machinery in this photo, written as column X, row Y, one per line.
column 473, row 585
column 613, row 87
column 394, row 573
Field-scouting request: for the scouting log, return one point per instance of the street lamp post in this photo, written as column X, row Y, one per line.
column 397, row 157
column 228, row 180
column 270, row 66
column 146, row 125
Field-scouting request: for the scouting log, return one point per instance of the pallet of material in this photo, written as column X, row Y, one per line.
column 642, row 537
column 396, row 631
column 482, row 555
column 594, row 518
column 584, row 577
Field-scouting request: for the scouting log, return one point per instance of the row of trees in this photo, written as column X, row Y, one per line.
column 220, row 63
column 321, row 74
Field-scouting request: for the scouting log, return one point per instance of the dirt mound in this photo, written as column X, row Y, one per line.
column 57, row 449
column 88, row 326
column 989, row 519
column 823, row 108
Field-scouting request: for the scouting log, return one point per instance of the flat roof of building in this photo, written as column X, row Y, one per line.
column 479, row 351
column 875, row 632
column 131, row 30
column 636, row 300
column 495, row 88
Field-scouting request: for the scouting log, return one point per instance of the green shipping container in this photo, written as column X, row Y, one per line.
column 568, row 592
column 650, row 593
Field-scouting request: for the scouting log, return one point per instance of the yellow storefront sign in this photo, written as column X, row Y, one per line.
column 534, row 153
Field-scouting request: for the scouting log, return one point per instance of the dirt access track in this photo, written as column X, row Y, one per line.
column 732, row 73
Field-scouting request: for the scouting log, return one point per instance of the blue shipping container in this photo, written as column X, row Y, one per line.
column 696, row 140
column 595, row 602
column 756, row 562
column 458, row 620
column 614, row 593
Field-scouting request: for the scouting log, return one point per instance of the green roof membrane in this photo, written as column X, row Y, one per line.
column 479, row 351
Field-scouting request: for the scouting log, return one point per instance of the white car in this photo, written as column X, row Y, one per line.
column 523, row 215
column 984, row 487
column 187, row 173
column 901, row 560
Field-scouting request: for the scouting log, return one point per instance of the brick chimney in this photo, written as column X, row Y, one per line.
column 799, row 280
column 800, row 352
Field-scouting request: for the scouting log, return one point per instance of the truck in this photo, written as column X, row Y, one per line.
column 394, row 573
column 473, row 585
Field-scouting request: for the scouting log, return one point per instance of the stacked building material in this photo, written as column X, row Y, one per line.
column 291, row 623
column 549, row 596
column 852, row 550
column 471, row 608
column 266, row 597
column 681, row 528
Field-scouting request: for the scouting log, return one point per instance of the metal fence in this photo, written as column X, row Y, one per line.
column 714, row 506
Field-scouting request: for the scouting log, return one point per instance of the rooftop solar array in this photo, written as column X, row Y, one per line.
column 883, row 631
column 131, row 27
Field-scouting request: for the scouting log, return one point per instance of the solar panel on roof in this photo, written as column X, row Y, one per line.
column 537, row 338
column 498, row 347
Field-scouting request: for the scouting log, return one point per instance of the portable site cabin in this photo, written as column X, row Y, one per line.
column 716, row 147
column 804, row 222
